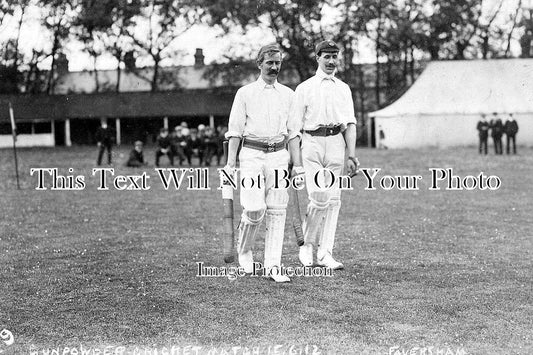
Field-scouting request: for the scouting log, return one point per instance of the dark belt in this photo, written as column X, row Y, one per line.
column 325, row 131
column 265, row 147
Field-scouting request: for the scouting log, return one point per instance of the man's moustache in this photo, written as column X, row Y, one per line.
column 273, row 72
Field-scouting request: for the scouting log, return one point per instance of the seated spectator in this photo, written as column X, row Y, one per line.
column 210, row 144
column 195, row 146
column 220, row 134
column 179, row 144
column 136, row 158
column 164, row 147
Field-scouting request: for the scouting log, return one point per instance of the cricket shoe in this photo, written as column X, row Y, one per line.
column 306, row 254
column 246, row 261
column 275, row 274
column 328, row 261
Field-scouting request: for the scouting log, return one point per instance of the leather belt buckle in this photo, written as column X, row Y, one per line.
column 271, row 148
column 329, row 131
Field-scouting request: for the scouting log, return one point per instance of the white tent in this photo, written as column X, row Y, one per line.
column 445, row 103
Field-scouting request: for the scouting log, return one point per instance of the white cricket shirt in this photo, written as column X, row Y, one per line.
column 260, row 111
column 320, row 101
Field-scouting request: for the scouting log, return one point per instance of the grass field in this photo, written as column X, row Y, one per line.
column 448, row 271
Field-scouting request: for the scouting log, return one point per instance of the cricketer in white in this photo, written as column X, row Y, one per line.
column 259, row 122
column 323, row 108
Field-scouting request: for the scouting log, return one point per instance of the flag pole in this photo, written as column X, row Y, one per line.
column 14, row 132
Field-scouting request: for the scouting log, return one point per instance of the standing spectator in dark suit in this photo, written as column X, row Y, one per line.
column 483, row 130
column 164, row 147
column 496, row 132
column 136, row 158
column 104, row 140
column 511, row 129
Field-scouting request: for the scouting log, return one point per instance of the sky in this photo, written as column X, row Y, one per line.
column 208, row 38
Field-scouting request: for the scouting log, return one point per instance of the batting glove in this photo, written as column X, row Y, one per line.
column 298, row 173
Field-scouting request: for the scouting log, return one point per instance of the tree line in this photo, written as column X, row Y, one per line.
column 399, row 32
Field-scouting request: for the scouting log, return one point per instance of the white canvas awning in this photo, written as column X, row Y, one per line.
column 467, row 88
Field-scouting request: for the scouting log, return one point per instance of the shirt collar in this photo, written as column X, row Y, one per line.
column 262, row 84
column 320, row 73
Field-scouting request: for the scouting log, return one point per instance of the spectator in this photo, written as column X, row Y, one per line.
column 483, row 132
column 136, row 158
column 220, row 137
column 511, row 129
column 164, row 147
column 381, row 138
column 104, row 141
column 195, row 147
column 210, row 144
column 496, row 133
column 179, row 144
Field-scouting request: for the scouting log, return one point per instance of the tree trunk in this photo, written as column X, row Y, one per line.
column 510, row 37
column 412, row 65
column 485, row 45
column 434, row 48
column 119, row 74
column 378, row 50
column 361, row 91
column 405, row 72
column 96, row 81
column 155, row 77
column 16, row 61
column 50, row 83
column 389, row 77
column 460, row 47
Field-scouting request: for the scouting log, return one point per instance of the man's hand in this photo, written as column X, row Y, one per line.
column 352, row 166
column 230, row 169
column 298, row 173
column 98, row 144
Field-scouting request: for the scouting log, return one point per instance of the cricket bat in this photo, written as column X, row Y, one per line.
column 227, row 199
column 296, row 218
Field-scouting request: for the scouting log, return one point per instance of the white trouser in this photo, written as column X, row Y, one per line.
column 259, row 167
column 320, row 153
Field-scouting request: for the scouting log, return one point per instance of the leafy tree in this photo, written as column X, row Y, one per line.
column 165, row 21
column 514, row 24
column 92, row 19
column 450, row 27
column 376, row 16
column 526, row 24
column 10, row 52
column 102, row 28
column 487, row 31
column 57, row 17
column 115, row 38
column 6, row 8
column 297, row 25
column 33, row 79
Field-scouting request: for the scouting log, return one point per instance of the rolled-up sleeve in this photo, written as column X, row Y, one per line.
column 297, row 112
column 350, row 112
column 237, row 116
